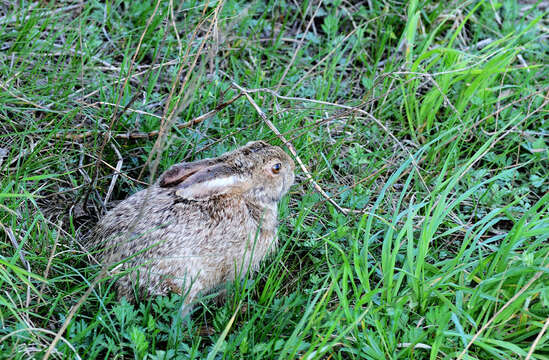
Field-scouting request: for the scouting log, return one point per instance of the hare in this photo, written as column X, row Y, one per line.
column 201, row 224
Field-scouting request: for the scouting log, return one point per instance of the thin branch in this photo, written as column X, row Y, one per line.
column 115, row 176
column 169, row 115
column 31, row 329
column 352, row 108
column 73, row 311
column 116, row 114
column 52, row 255
column 125, row 108
column 32, row 8
column 15, row 244
column 290, row 147
column 287, row 69
column 155, row 133
column 538, row 338
column 511, row 300
column 336, row 48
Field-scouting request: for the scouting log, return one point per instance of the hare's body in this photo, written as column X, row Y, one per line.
column 202, row 224
column 164, row 241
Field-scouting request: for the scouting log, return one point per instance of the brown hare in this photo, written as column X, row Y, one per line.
column 201, row 224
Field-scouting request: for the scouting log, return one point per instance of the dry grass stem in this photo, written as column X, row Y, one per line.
column 291, row 148
column 509, row 302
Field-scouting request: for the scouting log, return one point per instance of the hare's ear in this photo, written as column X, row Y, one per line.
column 179, row 172
column 212, row 181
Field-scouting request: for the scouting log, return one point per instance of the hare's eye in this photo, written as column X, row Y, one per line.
column 276, row 168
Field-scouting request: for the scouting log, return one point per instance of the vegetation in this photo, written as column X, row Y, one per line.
column 425, row 123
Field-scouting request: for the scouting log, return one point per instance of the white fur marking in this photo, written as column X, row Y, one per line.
column 210, row 187
column 219, row 182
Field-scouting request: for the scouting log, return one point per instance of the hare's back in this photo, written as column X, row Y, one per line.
column 131, row 226
column 155, row 223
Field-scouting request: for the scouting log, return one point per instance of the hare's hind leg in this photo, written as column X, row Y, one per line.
column 187, row 288
column 128, row 286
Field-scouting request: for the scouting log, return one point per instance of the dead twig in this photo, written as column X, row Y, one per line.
column 126, row 108
column 45, row 331
column 73, row 311
column 507, row 132
column 115, row 176
column 15, row 244
column 169, row 115
column 116, row 114
column 493, row 318
column 155, row 133
column 4, row 87
column 291, row 148
column 347, row 107
column 52, row 255
column 298, row 46
column 131, row 77
column 32, row 8
column 336, row 48
column 538, row 338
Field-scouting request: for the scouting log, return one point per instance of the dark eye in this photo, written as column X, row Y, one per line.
column 276, row 168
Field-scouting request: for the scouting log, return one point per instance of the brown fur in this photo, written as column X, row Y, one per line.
column 201, row 224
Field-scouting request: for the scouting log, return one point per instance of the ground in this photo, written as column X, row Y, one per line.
column 418, row 225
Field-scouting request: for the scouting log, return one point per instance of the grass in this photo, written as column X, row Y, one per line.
column 425, row 121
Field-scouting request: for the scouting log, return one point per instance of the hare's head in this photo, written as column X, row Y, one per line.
column 257, row 171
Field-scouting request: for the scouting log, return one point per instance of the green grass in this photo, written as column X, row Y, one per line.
column 426, row 120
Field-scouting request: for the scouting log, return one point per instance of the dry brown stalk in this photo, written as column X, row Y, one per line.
column 155, row 133
column 291, row 148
